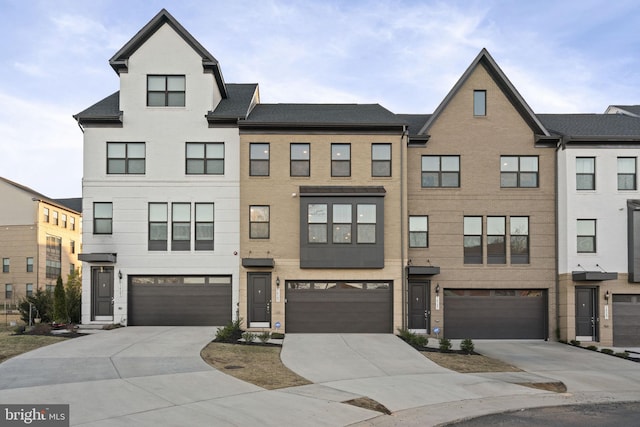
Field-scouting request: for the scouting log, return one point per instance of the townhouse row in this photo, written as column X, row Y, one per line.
column 480, row 220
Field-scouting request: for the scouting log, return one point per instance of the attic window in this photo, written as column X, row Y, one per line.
column 479, row 102
column 165, row 91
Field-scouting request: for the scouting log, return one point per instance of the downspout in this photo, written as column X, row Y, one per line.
column 557, row 239
column 403, row 137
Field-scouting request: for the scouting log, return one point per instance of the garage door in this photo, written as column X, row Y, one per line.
column 179, row 301
column 495, row 314
column 626, row 320
column 347, row 307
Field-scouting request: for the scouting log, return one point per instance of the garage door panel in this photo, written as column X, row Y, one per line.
column 494, row 317
column 339, row 311
column 626, row 320
column 179, row 305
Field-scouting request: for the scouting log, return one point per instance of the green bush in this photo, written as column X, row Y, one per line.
column 248, row 337
column 623, row 354
column 73, row 293
column 264, row 337
column 467, row 346
column 42, row 307
column 445, row 344
column 277, row 335
column 413, row 339
column 59, row 303
column 606, row 351
column 231, row 333
column 592, row 348
column 575, row 342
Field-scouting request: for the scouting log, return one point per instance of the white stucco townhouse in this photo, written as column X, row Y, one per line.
column 161, row 185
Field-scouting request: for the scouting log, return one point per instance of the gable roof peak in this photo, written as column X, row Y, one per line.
column 485, row 59
column 119, row 61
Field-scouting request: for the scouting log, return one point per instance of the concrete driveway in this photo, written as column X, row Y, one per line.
column 154, row 376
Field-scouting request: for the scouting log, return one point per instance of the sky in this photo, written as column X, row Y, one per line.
column 563, row 56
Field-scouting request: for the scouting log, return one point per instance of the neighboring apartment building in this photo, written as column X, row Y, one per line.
column 40, row 239
column 598, row 225
column 481, row 220
column 322, row 218
column 161, row 185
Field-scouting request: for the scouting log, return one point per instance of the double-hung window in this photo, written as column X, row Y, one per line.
column 45, row 213
column 380, row 159
column 29, row 289
column 72, row 245
column 586, row 235
column 519, row 171
column 342, row 223
column 205, row 158
column 29, row 264
column 259, row 222
column 340, row 159
column 627, row 173
column 300, row 159
column 55, row 218
column 585, row 173
column 6, row 265
column 126, row 158
column 440, row 171
column 181, row 226
column 8, row 291
column 473, row 240
column 317, row 222
column 158, row 235
column 419, row 231
column 165, row 91
column 496, row 240
column 366, row 223
column 72, row 223
column 64, row 221
column 519, row 227
column 205, row 217
column 259, row 159
column 102, row 218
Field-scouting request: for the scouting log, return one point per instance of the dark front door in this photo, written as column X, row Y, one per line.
column 259, row 309
column 102, row 291
column 419, row 305
column 586, row 314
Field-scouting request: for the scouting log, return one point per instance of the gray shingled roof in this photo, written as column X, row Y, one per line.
column 322, row 114
column 633, row 109
column 415, row 122
column 74, row 203
column 107, row 108
column 237, row 103
column 592, row 125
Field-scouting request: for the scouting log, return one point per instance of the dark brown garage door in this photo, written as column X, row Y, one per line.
column 344, row 307
column 626, row 320
column 179, row 301
column 495, row 314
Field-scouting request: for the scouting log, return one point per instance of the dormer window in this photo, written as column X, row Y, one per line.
column 479, row 102
column 165, row 91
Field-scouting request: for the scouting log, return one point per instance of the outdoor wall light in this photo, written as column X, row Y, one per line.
column 437, row 288
column 120, row 274
column 606, row 296
column 278, row 281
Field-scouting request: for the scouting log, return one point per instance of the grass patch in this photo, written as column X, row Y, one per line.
column 255, row 364
column 556, row 387
column 469, row 363
column 13, row 345
column 370, row 404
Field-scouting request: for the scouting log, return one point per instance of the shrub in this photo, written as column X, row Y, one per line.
column 231, row 333
column 592, row 348
column 248, row 337
column 264, row 337
column 40, row 329
column 414, row 340
column 445, row 344
column 623, row 354
column 42, row 306
column 73, row 292
column 606, row 351
column 575, row 342
column 59, row 303
column 277, row 335
column 467, row 346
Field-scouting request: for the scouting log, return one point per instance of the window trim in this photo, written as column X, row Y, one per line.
column 468, row 259
column 252, row 222
column 300, row 161
column 46, row 214
column 105, row 219
column 419, row 232
column 127, row 158
column 480, row 104
column 181, row 244
column 592, row 237
column 258, row 160
column 157, row 244
column 519, row 259
column 205, row 160
column 519, row 172
column 29, row 267
column 381, row 161
column 634, row 174
column 8, row 291
column 440, row 171
column 335, row 162
column 6, row 265
column 497, row 258
column 335, row 225
column 582, row 174
column 166, row 90
column 204, row 244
